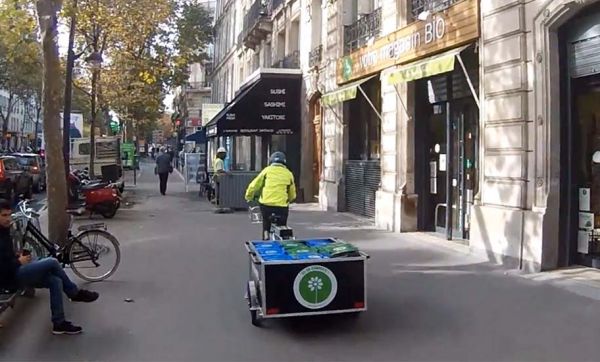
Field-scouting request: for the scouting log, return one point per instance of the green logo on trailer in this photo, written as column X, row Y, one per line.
column 315, row 287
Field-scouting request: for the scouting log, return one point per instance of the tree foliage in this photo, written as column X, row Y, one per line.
column 20, row 61
column 145, row 52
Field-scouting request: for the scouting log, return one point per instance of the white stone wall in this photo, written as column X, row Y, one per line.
column 333, row 126
column 517, row 216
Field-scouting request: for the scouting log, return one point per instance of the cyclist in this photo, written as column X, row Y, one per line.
column 18, row 270
column 274, row 188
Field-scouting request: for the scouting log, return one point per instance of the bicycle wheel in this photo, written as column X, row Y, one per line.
column 37, row 250
column 94, row 255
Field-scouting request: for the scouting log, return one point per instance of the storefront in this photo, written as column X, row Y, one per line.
column 264, row 117
column 362, row 167
column 580, row 139
column 419, row 87
column 446, row 159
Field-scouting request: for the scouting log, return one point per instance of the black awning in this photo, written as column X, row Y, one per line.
column 268, row 105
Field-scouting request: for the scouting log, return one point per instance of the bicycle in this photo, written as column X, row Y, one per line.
column 278, row 230
column 81, row 252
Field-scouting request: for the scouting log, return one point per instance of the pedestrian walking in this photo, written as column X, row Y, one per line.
column 274, row 189
column 18, row 270
column 163, row 168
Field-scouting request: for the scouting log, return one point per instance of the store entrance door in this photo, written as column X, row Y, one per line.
column 581, row 173
column 461, row 161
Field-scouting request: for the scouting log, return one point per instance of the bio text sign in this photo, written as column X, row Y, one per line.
column 455, row 26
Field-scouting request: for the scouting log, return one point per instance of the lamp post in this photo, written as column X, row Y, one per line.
column 95, row 62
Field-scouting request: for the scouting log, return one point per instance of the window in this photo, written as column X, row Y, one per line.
column 243, row 150
column 27, row 161
column 84, row 149
column 10, row 164
column 419, row 6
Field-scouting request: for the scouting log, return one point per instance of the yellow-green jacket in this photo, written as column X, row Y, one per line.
column 274, row 186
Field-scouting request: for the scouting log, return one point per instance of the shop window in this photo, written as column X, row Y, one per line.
column 364, row 124
column 243, row 153
column 259, row 154
column 421, row 9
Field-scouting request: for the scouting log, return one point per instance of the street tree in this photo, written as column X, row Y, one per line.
column 146, row 52
column 57, row 189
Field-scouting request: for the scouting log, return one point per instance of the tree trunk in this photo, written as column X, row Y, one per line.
column 57, row 187
column 93, row 125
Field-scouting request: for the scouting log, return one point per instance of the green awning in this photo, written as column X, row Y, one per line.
column 428, row 67
column 344, row 93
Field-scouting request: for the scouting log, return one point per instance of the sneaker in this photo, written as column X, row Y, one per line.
column 66, row 328
column 85, row 296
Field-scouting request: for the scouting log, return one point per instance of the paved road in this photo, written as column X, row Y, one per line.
column 185, row 268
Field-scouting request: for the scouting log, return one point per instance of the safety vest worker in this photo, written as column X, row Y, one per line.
column 274, row 189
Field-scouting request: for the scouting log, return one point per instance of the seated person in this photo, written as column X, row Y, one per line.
column 19, row 271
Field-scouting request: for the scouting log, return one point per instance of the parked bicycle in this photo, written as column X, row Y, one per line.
column 93, row 253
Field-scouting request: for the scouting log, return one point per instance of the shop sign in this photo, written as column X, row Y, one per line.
column 455, row 26
column 209, row 111
column 315, row 287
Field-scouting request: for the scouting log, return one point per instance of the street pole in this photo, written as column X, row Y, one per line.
column 69, row 92
column 93, row 122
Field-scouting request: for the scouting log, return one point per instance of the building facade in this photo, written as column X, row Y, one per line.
column 189, row 98
column 22, row 119
column 266, row 46
column 476, row 120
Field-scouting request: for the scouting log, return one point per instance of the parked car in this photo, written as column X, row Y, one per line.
column 36, row 166
column 15, row 180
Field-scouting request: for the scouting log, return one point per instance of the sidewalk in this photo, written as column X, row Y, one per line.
column 185, row 269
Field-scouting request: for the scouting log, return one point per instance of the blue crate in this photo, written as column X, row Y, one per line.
column 316, row 243
column 266, row 244
column 309, row 256
column 270, row 251
column 276, row 257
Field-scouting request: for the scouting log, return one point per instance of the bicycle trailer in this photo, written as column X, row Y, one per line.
column 290, row 278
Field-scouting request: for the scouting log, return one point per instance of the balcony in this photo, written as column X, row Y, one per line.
column 418, row 7
column 358, row 34
column 275, row 4
column 257, row 24
column 315, row 56
column 198, row 86
column 291, row 61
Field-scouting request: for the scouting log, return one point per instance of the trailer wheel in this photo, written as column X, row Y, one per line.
column 255, row 319
column 252, row 303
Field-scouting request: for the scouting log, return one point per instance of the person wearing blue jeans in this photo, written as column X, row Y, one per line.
column 17, row 270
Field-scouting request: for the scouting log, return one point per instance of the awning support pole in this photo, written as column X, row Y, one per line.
column 402, row 102
column 370, row 103
column 336, row 116
column 462, row 65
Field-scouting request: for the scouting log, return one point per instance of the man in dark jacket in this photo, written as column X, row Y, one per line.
column 163, row 169
column 19, row 270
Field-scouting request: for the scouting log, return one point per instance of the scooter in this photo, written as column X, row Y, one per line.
column 85, row 179
column 98, row 198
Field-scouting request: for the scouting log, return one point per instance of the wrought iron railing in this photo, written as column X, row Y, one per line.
column 422, row 6
column 291, row 61
column 359, row 33
column 315, row 56
column 260, row 10
column 276, row 4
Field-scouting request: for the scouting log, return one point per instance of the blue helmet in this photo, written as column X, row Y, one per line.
column 277, row 157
